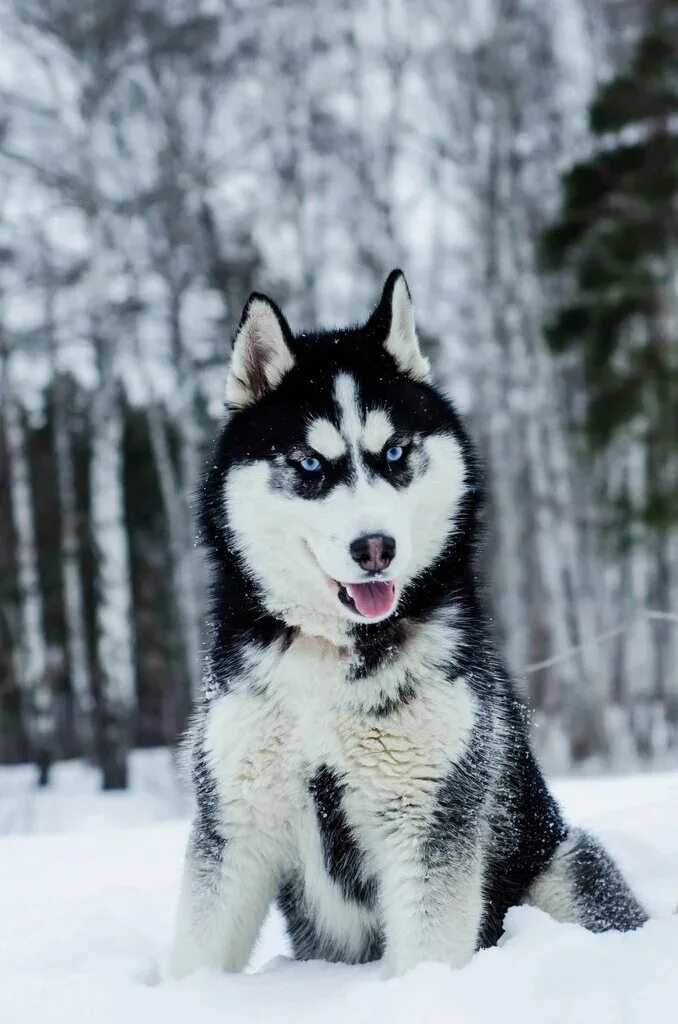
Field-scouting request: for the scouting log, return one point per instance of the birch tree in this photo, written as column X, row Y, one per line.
column 37, row 698
column 94, row 45
column 52, row 280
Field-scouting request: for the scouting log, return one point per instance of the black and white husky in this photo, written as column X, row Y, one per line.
column 361, row 754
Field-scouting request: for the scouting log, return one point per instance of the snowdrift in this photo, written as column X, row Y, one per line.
column 87, row 890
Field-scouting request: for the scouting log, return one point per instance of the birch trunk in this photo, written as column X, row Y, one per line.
column 80, row 676
column 37, row 698
column 191, row 596
column 193, row 568
column 113, row 590
column 182, row 554
column 114, row 632
column 71, row 574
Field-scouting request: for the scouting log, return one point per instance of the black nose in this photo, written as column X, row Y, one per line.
column 373, row 552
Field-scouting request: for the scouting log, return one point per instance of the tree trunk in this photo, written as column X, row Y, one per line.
column 37, row 698
column 182, row 555
column 113, row 588
column 192, row 595
column 71, row 574
column 113, row 582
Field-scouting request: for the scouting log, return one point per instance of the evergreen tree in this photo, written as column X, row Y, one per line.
column 617, row 241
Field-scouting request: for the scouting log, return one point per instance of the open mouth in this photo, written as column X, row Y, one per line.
column 372, row 599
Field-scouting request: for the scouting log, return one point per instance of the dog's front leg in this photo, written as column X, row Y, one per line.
column 227, row 887
column 432, row 901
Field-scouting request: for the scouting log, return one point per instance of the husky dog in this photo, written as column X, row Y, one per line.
column 361, row 754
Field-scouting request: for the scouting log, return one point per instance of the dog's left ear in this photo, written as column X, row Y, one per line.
column 395, row 315
column 261, row 352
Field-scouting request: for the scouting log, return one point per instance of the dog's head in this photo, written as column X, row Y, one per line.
column 341, row 470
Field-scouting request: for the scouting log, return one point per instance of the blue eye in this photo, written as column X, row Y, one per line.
column 394, row 453
column 310, row 464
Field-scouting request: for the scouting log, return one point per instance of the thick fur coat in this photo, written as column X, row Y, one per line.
column 361, row 755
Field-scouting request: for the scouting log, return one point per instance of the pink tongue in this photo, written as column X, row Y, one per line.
column 372, row 599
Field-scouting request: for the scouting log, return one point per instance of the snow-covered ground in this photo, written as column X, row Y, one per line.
column 87, row 889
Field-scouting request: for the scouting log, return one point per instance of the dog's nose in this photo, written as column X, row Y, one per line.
column 373, row 552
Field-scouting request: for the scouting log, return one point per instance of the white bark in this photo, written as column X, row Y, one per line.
column 38, row 704
column 191, row 596
column 115, row 644
column 182, row 551
column 194, row 596
column 114, row 631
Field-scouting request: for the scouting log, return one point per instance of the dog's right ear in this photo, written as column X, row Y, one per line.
column 261, row 352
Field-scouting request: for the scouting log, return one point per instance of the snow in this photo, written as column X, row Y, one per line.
column 87, row 890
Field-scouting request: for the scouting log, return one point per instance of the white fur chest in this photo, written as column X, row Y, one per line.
column 395, row 763
column 300, row 715
column 389, row 761
column 259, row 773
column 267, row 742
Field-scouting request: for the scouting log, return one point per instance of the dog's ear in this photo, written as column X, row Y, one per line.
column 395, row 316
column 261, row 352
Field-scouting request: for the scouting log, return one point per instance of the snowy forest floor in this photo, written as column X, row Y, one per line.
column 88, row 883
